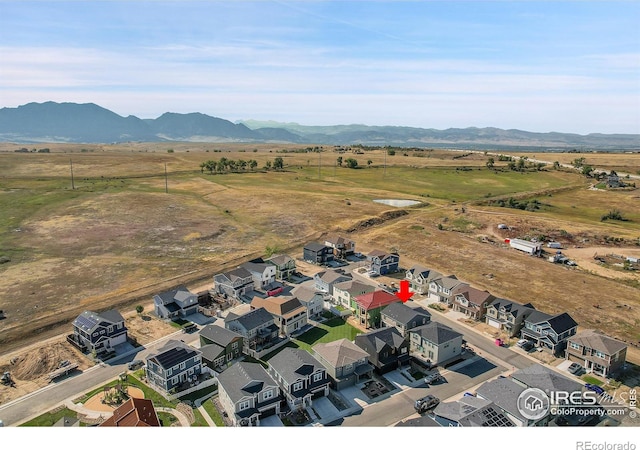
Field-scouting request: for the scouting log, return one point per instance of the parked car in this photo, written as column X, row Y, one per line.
column 574, row 368
column 135, row 364
column 433, row 378
column 592, row 387
column 424, row 404
column 521, row 342
column 528, row 346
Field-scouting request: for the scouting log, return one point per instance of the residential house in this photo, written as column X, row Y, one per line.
column 404, row 318
column 179, row 302
column 383, row 263
column 542, row 377
column 285, row 266
column 135, row 412
column 346, row 363
column 263, row 274
column 248, row 394
column 419, row 278
column 613, row 180
column 504, row 393
column 597, row 353
column 301, row 377
column 99, row 332
column 470, row 412
column 325, row 281
column 173, row 364
column 311, row 299
column 317, row 253
column 289, row 315
column 219, row 346
column 471, row 301
column 436, row 342
column 549, row 332
column 507, row 315
column 386, row 347
column 341, row 247
column 345, row 293
column 235, row 283
column 369, row 307
column 441, row 289
column 257, row 327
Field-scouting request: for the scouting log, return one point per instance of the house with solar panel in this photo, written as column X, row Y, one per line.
column 179, row 302
column 470, row 412
column 98, row 332
column 172, row 365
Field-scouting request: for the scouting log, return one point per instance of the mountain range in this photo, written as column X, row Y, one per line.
column 90, row 123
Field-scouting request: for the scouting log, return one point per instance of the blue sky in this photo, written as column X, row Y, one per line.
column 540, row 66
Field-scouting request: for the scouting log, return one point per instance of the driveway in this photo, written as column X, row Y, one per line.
column 325, row 409
column 271, row 421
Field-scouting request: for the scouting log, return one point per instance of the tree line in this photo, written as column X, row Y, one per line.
column 226, row 165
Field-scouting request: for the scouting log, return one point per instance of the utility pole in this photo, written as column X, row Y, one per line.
column 384, row 173
column 319, row 163
column 166, row 181
column 73, row 186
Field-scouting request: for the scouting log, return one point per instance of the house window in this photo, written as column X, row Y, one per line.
column 244, row 405
column 96, row 334
column 403, row 350
column 267, row 395
column 183, row 366
column 574, row 346
column 110, row 329
column 234, row 345
column 317, row 376
column 600, row 355
column 190, row 372
column 169, row 372
column 102, row 331
column 297, row 386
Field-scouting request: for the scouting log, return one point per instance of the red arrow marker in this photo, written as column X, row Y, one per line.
column 404, row 294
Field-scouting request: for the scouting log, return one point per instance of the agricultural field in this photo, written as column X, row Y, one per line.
column 122, row 231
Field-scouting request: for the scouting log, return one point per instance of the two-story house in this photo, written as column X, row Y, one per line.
column 257, row 327
column 317, row 253
column 386, row 347
column 248, row 393
column 325, row 281
column 435, row 342
column 300, row 376
column 289, row 315
column 219, row 346
column 135, row 412
column 471, row 301
column 310, row 299
column 596, row 352
column 341, row 247
column 404, row 318
column 285, row 266
column 507, row 315
column 235, row 283
column 383, row 263
column 419, row 278
column 549, row 332
column 346, row 363
column 173, row 364
column 179, row 302
column 369, row 307
column 345, row 293
column 470, row 412
column 99, row 332
column 504, row 393
column 441, row 289
column 263, row 274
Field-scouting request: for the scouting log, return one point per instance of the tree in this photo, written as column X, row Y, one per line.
column 586, row 171
column 351, row 163
column 278, row 163
column 339, row 160
column 267, row 165
column 556, row 165
column 578, row 162
column 139, row 309
column 521, row 164
column 490, row 163
column 203, row 165
column 369, row 162
column 391, row 152
column 253, row 164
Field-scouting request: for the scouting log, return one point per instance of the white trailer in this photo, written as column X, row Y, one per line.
column 532, row 248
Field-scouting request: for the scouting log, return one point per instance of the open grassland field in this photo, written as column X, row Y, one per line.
column 118, row 237
column 620, row 162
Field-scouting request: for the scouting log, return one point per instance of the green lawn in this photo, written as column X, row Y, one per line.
column 49, row 418
column 592, row 380
column 213, row 413
column 330, row 331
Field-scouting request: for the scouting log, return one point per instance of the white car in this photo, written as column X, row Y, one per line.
column 521, row 342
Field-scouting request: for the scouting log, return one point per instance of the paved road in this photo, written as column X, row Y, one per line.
column 34, row 404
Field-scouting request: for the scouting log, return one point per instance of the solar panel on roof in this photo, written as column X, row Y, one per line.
column 85, row 322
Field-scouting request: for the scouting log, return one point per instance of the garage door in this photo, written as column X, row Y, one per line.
column 493, row 323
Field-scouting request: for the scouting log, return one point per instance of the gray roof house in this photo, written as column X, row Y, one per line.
column 541, row 377
column 172, row 365
column 99, row 332
column 342, row 247
column 404, row 318
column 345, row 362
column 596, row 352
column 470, row 412
column 248, row 393
column 504, row 393
column 345, row 292
column 263, row 274
column 285, row 266
column 386, row 347
column 442, row 289
column 179, row 302
column 235, row 283
column 257, row 327
column 471, row 301
column 311, row 299
column 325, row 280
column 507, row 315
column 419, row 278
column 301, row 377
column 219, row 346
column 435, row 342
column 549, row 332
